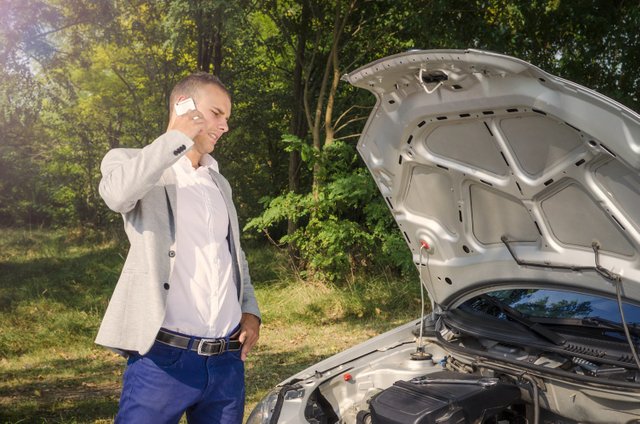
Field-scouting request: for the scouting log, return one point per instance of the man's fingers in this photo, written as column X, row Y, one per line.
column 248, row 341
column 249, row 333
column 190, row 123
column 246, row 345
column 244, row 353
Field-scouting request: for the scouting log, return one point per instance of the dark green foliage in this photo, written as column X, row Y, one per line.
column 345, row 225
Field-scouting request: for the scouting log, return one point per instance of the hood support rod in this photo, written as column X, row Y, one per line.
column 605, row 273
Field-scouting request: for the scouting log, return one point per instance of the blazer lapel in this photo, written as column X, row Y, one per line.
column 234, row 230
column 225, row 190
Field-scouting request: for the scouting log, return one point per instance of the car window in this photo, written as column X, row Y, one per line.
column 544, row 303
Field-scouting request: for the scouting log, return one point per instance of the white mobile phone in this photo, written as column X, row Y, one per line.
column 184, row 106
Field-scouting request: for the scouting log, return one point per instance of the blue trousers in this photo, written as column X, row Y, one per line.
column 160, row 386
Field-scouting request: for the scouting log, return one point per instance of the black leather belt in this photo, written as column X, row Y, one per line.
column 205, row 347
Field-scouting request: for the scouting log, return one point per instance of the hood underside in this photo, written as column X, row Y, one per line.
column 478, row 153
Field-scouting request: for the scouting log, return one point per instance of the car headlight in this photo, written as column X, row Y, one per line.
column 263, row 411
column 268, row 409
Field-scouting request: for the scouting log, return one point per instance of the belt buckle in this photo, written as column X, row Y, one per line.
column 222, row 344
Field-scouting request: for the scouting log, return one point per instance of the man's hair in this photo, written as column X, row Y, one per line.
column 190, row 84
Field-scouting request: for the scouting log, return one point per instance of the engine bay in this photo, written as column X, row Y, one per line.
column 453, row 377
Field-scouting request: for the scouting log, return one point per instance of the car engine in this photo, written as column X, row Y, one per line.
column 446, row 397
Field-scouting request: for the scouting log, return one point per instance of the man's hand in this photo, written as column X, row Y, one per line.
column 191, row 123
column 249, row 333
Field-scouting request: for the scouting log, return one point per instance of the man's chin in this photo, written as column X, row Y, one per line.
column 205, row 146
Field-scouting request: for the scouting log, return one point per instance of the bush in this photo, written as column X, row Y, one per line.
column 344, row 226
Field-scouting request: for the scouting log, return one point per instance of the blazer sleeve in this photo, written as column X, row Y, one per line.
column 129, row 174
column 249, row 303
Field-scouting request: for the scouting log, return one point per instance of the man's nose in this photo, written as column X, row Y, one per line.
column 223, row 125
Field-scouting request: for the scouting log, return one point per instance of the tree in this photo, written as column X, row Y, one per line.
column 80, row 77
column 341, row 223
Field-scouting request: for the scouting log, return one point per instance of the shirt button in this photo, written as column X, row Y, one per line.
column 166, row 286
column 172, row 253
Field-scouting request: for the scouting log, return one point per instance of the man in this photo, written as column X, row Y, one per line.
column 183, row 310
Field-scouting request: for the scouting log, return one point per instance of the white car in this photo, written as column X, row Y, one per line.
column 518, row 194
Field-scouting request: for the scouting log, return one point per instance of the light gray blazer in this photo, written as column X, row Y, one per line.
column 140, row 184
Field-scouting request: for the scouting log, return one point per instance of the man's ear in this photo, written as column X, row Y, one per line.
column 177, row 100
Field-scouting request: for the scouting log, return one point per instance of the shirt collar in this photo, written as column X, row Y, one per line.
column 209, row 162
column 206, row 161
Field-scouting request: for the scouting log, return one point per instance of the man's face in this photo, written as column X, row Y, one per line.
column 215, row 105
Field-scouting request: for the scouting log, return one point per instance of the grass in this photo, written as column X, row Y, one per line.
column 54, row 288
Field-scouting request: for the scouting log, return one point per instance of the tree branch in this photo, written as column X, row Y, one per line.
column 350, row 121
column 349, row 110
column 348, row 136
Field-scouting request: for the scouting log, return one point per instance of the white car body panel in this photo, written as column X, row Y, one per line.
column 503, row 148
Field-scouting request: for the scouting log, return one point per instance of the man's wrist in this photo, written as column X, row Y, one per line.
column 246, row 315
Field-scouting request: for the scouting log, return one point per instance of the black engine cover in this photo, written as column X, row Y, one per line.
column 444, row 397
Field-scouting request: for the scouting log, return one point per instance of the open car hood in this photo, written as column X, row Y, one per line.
column 484, row 158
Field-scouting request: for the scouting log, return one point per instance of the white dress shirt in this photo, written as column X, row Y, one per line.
column 203, row 299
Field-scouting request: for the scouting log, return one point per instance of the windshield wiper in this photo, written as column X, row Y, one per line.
column 611, row 325
column 593, row 322
column 535, row 327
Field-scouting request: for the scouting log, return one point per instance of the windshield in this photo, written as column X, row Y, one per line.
column 544, row 303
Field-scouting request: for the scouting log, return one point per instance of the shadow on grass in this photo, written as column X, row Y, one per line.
column 83, row 281
column 54, row 302
column 267, row 368
column 268, row 265
column 42, row 394
column 80, row 411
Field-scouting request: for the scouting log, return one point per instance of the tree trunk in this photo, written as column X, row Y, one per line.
column 209, row 30
column 328, row 116
column 331, row 67
column 298, row 127
column 217, row 46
